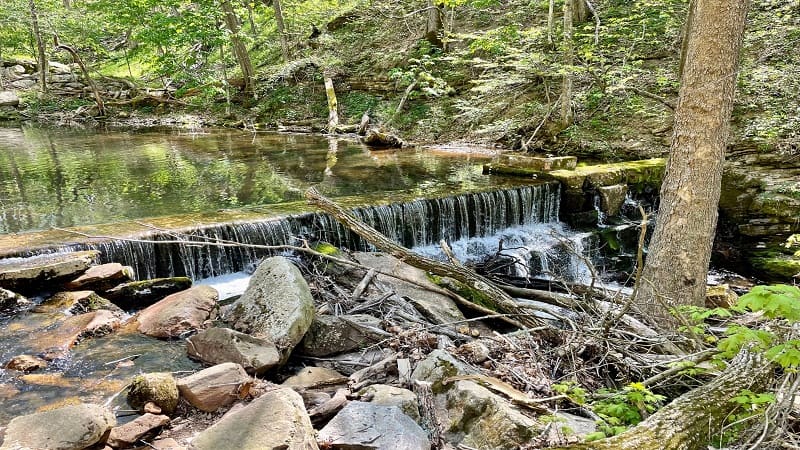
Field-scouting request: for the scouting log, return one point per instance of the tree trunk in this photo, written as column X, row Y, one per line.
column 569, row 59
column 677, row 264
column 276, row 6
column 685, row 36
column 693, row 419
column 41, row 55
column 239, row 48
column 497, row 299
column 98, row 99
column 434, row 25
column 333, row 105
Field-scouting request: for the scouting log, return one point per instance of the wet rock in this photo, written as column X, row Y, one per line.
column 25, row 363
column 143, row 427
column 316, row 378
column 141, row 294
column 77, row 302
column 179, row 313
column 217, row 386
column 276, row 420
column 612, row 198
column 438, row 308
column 158, row 388
column 70, row 330
column 69, row 428
column 382, row 394
column 102, row 277
column 381, row 139
column 219, row 345
column 721, row 296
column 368, row 426
column 8, row 98
column 330, row 335
column 11, row 300
column 34, row 273
column 277, row 305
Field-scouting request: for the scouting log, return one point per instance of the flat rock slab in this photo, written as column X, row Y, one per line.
column 220, row 345
column 277, row 305
column 316, row 378
column 215, row 387
column 543, row 163
column 70, row 428
column 367, row 426
column 76, row 302
column 35, row 273
column 102, row 277
column 382, row 394
column 8, row 98
column 179, row 313
column 69, row 330
column 143, row 427
column 141, row 294
column 275, row 421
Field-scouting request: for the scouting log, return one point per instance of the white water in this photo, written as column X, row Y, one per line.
column 229, row 285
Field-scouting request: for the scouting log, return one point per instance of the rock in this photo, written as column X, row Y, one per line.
column 438, row 366
column 540, row 163
column 475, row 352
column 721, row 296
column 11, row 300
column 166, row 444
column 438, row 308
column 77, row 302
column 367, row 426
column 316, row 378
column 57, row 67
column 25, row 363
column 141, row 294
column 179, row 313
column 159, row 388
column 70, row 428
column 330, row 335
column 8, row 98
column 143, row 427
column 102, row 277
column 612, row 198
column 276, row 420
column 70, row 330
column 277, row 305
column 219, row 345
column 151, row 408
column 577, row 426
column 382, row 394
column 23, row 84
column 217, row 386
column 381, row 139
column 34, row 273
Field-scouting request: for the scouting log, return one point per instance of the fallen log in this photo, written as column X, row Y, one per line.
column 693, row 419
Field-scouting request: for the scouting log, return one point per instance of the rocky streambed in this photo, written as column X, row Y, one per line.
column 314, row 354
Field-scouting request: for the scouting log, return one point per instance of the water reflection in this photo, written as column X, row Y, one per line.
column 54, row 177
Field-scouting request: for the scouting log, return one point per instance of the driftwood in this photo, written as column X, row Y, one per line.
column 496, row 298
column 691, row 420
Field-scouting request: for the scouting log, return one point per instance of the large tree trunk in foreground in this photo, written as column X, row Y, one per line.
column 693, row 419
column 496, row 298
column 239, row 48
column 677, row 264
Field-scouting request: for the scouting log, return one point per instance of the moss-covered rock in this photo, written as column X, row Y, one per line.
column 159, row 388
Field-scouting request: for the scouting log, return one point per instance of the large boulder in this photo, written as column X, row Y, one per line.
column 141, row 294
column 220, row 345
column 215, row 387
column 179, row 313
column 69, row 428
column 330, row 335
column 276, row 420
column 277, row 305
column 34, row 273
column 143, row 427
column 368, row 426
column 102, row 277
column 158, row 388
column 438, row 308
column 8, row 98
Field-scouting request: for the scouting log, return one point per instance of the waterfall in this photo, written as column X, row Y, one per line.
column 417, row 223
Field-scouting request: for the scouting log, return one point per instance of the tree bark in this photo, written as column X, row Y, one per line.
column 497, row 299
column 276, row 6
column 687, row 27
column 239, row 48
column 693, row 419
column 434, row 25
column 677, row 264
column 569, row 59
column 41, row 55
column 333, row 105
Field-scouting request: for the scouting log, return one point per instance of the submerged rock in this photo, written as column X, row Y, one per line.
column 179, row 313
column 220, row 345
column 277, row 305
column 141, row 294
column 368, row 426
column 34, row 273
column 275, row 421
column 77, row 302
column 215, row 387
column 158, row 388
column 102, row 277
column 330, row 335
column 70, row 330
column 70, row 428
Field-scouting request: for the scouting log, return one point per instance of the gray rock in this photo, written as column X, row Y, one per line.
column 367, row 426
column 8, row 98
column 316, row 378
column 33, row 273
column 143, row 427
column 141, row 294
column 70, row 428
column 382, row 394
column 576, row 425
column 219, row 345
column 102, row 277
column 330, row 335
column 276, row 305
column 179, row 313
column 215, row 387
column 11, row 300
column 438, row 308
column 612, row 198
column 57, row 67
column 276, row 420
column 158, row 388
column 438, row 366
column 23, row 84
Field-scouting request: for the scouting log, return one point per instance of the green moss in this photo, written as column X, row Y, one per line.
column 469, row 293
column 326, row 249
column 776, row 267
column 159, row 388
